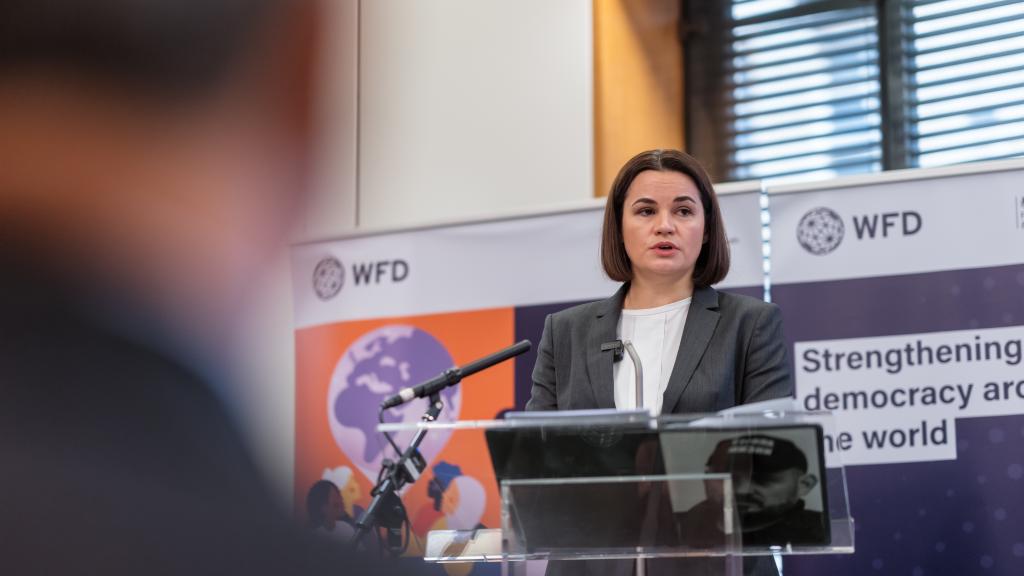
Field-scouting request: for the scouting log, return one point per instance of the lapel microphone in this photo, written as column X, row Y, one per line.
column 616, row 347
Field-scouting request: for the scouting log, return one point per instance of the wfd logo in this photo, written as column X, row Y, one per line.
column 329, row 275
column 821, row 230
column 328, row 278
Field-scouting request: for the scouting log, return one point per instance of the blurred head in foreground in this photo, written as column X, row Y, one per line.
column 155, row 151
column 154, row 156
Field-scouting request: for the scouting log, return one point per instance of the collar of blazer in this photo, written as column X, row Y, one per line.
column 701, row 321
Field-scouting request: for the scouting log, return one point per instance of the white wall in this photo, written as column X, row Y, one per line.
column 500, row 87
column 332, row 209
column 470, row 107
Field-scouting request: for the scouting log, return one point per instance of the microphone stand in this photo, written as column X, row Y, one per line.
column 386, row 508
column 638, row 383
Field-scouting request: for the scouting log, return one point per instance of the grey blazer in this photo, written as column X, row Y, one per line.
column 732, row 352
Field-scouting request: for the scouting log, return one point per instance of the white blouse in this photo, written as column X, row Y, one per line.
column 655, row 334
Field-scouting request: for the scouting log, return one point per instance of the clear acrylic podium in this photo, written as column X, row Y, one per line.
column 675, row 491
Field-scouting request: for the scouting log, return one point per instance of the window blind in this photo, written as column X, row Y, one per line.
column 966, row 89
column 802, row 90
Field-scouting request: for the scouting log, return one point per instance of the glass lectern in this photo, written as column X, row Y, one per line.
column 700, row 493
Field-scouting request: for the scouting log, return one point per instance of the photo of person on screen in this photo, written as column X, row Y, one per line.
column 770, row 480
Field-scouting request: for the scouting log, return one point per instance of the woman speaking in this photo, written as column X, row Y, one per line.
column 701, row 350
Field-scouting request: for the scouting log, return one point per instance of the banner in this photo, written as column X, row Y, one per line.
column 378, row 312
column 903, row 299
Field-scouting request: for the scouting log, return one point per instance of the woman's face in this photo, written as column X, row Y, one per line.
column 663, row 225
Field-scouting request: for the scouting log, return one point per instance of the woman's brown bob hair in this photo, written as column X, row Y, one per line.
column 712, row 263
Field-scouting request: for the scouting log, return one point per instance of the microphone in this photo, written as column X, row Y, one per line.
column 453, row 375
column 616, row 347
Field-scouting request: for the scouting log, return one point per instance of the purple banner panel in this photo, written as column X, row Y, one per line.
column 935, row 518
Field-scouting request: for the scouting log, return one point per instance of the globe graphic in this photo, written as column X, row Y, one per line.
column 820, row 231
column 377, row 365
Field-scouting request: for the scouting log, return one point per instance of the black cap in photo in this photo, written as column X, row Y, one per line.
column 758, row 454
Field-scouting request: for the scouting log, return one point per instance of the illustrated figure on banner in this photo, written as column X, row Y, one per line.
column 348, row 485
column 325, row 513
column 458, row 503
